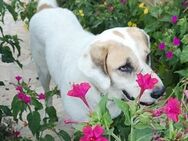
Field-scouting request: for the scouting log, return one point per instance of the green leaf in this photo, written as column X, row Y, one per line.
column 17, row 107
column 106, row 119
column 6, row 111
column 183, row 25
column 2, row 83
column 12, row 11
column 36, row 104
column 125, row 109
column 47, row 138
column 142, row 134
column 34, row 122
column 102, row 105
column 7, row 56
column 184, row 55
column 52, row 114
column 183, row 73
column 133, row 107
column 185, row 39
column 64, row 135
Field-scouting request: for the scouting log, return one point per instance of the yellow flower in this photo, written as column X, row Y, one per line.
column 130, row 23
column 134, row 25
column 25, row 26
column 141, row 5
column 146, row 10
column 81, row 13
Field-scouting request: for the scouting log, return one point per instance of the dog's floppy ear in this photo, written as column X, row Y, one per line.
column 93, row 65
column 147, row 38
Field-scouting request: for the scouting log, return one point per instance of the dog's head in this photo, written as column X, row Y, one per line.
column 113, row 61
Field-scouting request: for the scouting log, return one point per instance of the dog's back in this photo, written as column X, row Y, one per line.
column 55, row 35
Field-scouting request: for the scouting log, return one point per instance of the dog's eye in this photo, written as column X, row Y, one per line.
column 148, row 59
column 126, row 68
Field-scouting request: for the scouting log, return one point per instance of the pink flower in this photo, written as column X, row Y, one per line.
column 157, row 112
column 186, row 93
column 169, row 54
column 176, row 41
column 19, row 88
column 18, row 78
column 172, row 109
column 146, row 81
column 23, row 97
column 41, row 96
column 123, row 1
column 93, row 134
column 110, row 8
column 16, row 133
column 80, row 90
column 162, row 46
column 184, row 3
column 174, row 19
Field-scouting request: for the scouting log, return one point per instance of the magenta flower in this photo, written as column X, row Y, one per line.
column 123, row 1
column 176, row 41
column 19, row 88
column 23, row 97
column 169, row 54
column 41, row 96
column 80, row 91
column 157, row 112
column 185, row 3
column 16, row 133
column 172, row 109
column 93, row 134
column 146, row 81
column 18, row 78
column 110, row 8
column 174, row 19
column 162, row 46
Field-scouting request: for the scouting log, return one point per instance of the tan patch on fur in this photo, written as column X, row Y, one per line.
column 118, row 34
column 110, row 55
column 139, row 37
column 99, row 53
column 118, row 55
column 44, row 6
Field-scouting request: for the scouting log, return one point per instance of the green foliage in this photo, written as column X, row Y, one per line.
column 8, row 42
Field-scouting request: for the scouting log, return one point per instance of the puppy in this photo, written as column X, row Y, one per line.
column 64, row 51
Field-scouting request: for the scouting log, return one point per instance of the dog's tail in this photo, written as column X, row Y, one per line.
column 45, row 4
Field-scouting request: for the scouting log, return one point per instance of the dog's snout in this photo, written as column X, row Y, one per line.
column 157, row 92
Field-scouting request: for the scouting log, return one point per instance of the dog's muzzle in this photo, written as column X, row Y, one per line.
column 128, row 97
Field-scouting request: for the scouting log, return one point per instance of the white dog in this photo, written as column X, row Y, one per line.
column 65, row 52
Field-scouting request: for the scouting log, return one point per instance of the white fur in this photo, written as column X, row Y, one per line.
column 59, row 44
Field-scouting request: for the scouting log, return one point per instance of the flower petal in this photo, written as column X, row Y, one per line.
column 98, row 131
column 88, row 132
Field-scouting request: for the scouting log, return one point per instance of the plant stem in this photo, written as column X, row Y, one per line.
column 171, row 129
column 116, row 137
column 131, row 134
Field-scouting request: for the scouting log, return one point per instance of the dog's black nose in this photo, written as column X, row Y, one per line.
column 157, row 92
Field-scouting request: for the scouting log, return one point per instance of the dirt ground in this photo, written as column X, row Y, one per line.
column 9, row 71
